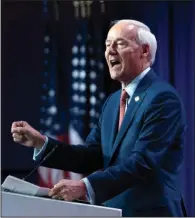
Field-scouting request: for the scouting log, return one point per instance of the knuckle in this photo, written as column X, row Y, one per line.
column 15, row 140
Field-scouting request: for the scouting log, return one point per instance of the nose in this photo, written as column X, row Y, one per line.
column 111, row 49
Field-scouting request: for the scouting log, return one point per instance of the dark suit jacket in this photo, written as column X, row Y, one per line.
column 142, row 161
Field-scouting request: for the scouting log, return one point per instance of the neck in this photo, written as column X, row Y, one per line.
column 127, row 82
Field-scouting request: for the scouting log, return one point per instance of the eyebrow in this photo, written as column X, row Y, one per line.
column 118, row 39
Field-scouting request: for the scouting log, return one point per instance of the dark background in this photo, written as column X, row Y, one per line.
column 22, row 64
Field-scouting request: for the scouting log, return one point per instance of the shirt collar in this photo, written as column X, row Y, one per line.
column 131, row 87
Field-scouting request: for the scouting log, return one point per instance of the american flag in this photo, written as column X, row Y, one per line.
column 87, row 93
column 52, row 115
column 87, row 83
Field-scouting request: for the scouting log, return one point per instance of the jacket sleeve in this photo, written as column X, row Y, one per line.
column 83, row 159
column 164, row 122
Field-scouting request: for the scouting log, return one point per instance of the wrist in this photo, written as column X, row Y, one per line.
column 41, row 141
column 84, row 188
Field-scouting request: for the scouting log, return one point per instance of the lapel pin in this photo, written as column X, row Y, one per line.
column 137, row 98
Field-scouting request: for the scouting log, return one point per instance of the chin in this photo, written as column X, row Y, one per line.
column 115, row 75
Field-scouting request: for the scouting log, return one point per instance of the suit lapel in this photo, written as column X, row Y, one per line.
column 129, row 115
column 115, row 121
column 134, row 105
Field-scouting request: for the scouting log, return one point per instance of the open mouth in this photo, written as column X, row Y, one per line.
column 114, row 63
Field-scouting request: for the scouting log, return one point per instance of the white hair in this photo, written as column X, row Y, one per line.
column 144, row 36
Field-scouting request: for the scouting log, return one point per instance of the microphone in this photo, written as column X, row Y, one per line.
column 39, row 164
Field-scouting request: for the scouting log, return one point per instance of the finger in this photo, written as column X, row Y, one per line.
column 14, row 125
column 17, row 135
column 20, row 130
column 61, row 195
column 54, row 191
column 60, row 184
column 17, row 140
column 55, row 197
column 66, row 194
column 18, row 124
column 58, row 195
column 58, row 187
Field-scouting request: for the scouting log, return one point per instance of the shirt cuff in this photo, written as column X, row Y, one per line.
column 38, row 152
column 90, row 192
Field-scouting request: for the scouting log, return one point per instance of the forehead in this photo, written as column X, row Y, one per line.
column 122, row 30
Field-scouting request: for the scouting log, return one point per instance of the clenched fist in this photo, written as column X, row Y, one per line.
column 25, row 134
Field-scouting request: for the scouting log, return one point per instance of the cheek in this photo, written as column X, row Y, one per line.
column 137, row 52
column 131, row 56
column 127, row 58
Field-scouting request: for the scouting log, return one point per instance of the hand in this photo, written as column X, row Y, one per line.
column 68, row 190
column 26, row 135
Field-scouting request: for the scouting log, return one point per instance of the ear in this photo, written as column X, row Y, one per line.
column 145, row 51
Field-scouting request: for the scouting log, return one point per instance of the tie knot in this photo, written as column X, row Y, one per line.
column 124, row 95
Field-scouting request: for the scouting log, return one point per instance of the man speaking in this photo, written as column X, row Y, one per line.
column 134, row 154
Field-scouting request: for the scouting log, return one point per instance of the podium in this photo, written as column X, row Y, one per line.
column 24, row 205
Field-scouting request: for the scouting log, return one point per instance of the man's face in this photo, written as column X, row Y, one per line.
column 123, row 53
